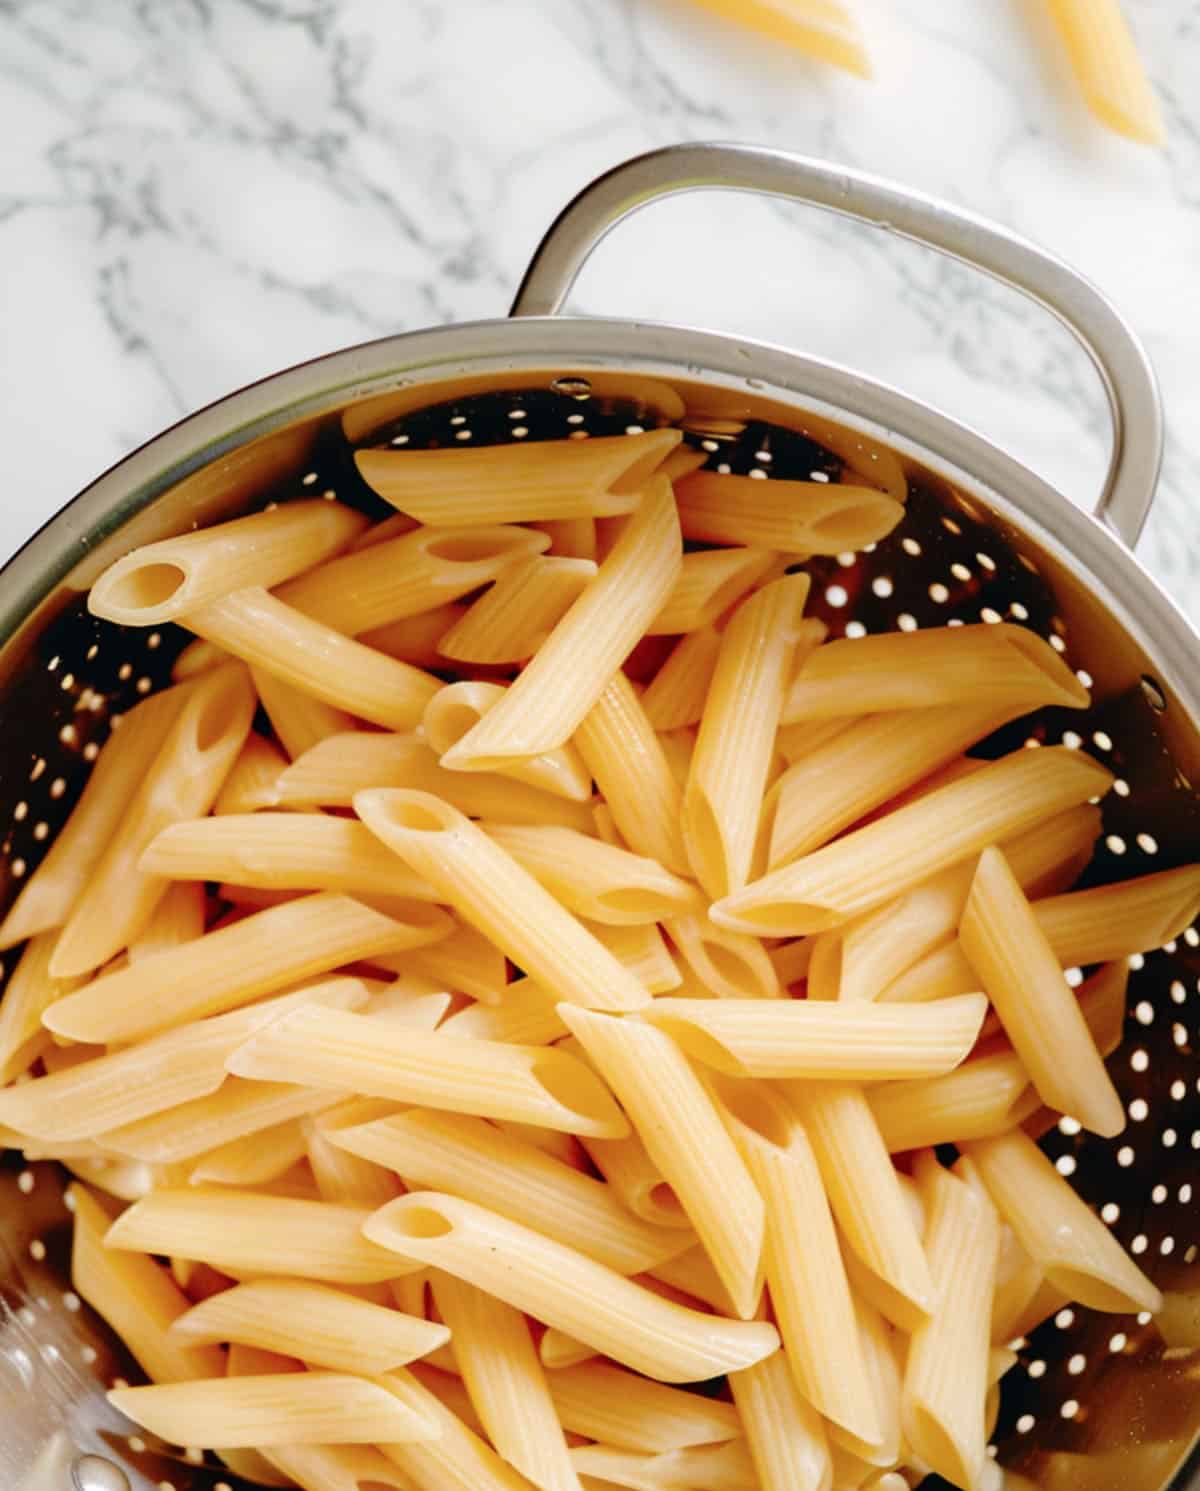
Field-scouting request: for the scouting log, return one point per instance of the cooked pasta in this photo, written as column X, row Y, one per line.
column 607, row 1403
column 710, row 582
column 300, row 720
column 676, row 694
column 460, row 706
column 796, row 517
column 1110, row 73
column 514, row 616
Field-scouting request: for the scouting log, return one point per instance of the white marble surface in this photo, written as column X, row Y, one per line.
column 194, row 193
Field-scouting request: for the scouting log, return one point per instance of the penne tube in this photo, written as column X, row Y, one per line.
column 1111, row 76
column 499, row 898
column 1018, row 1278
column 463, row 485
column 717, row 1467
column 345, row 764
column 607, row 1403
column 384, row 531
column 863, row 767
column 343, row 1176
column 977, row 1100
column 161, row 581
column 134, row 1295
column 794, row 517
column 558, row 1351
column 250, row 784
column 512, row 619
column 1116, row 921
column 710, row 581
column 731, row 761
column 181, row 781
column 567, row 1290
column 877, row 1343
column 864, row 1191
column 460, row 706
column 68, row 869
column 806, row 1038
column 681, row 461
column 792, row 960
column 468, row 1158
column 564, row 1148
column 632, row 1174
column 728, row 964
column 807, row 1283
column 506, row 1382
column 417, row 639
column 691, row 1274
column 866, row 867
column 940, row 974
column 465, row 962
column 333, row 1467
column 277, row 639
column 30, row 991
column 677, row 692
column 177, row 919
column 1004, row 665
column 280, row 1408
column 400, row 577
column 568, row 674
column 794, row 742
column 225, row 969
column 326, row 1327
column 196, row 658
column 946, row 1371
column 643, row 952
column 256, row 1234
column 1076, row 1251
column 597, row 880
column 253, row 1159
column 283, row 851
column 236, row 1111
column 575, row 537
column 784, row 1433
column 525, row 1015
column 1039, row 1010
column 300, row 720
column 682, row 1130
column 531, row 1084
column 631, row 771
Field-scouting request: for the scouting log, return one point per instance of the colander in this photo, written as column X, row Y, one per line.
column 1097, row 1402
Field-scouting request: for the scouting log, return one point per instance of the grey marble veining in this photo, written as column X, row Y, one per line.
column 194, row 193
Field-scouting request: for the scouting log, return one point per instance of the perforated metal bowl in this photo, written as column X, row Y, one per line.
column 1097, row 1401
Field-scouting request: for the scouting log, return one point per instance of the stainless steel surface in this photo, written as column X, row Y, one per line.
column 1118, row 356
column 983, row 537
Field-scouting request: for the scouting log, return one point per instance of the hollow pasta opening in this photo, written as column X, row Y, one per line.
column 146, row 585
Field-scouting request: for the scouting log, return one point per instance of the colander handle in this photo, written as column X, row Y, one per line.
column 1118, row 355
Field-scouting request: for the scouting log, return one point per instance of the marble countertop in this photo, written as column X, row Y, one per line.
column 194, row 193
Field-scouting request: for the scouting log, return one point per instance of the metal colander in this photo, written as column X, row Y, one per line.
column 1096, row 1401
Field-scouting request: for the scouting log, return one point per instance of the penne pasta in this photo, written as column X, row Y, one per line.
column 727, row 963
column 791, row 960
column 596, row 880
column 677, row 1122
column 499, row 898
column 1078, row 1254
column 567, row 1290
column 161, row 581
column 864, row 868
column 248, row 1233
column 570, row 671
column 1116, row 921
column 512, row 619
column 526, row 1015
column 336, row 769
column 343, row 1176
column 281, row 1408
column 253, row 1159
column 250, row 784
column 982, row 1097
column 335, row 1050
column 863, row 767
column 181, row 781
column 417, row 639
column 1111, row 77
column 710, row 582
column 807, row 1038
column 878, row 1345
column 631, row 1173
column 300, row 720
column 401, row 577
column 1004, row 665
column 796, row 741
column 599, row 477
column 225, row 969
column 468, row 1158
column 946, row 1371
column 607, row 1403
column 690, row 1274
column 794, row 517
column 332, row 1467
column 283, row 851
column 56, row 885
column 576, row 537
column 808, row 1286
column 676, row 694
column 236, row 1111
column 506, row 1382
column 323, row 1326
column 135, row 1296
column 717, row 1467
column 177, row 919
column 784, row 1433
column 464, row 962
column 557, row 1350
column 864, row 1192
column 643, row 952
column 1039, row 1010
column 460, row 706
column 30, row 991
column 631, row 771
column 731, row 761
column 311, row 657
